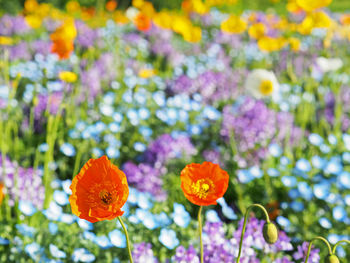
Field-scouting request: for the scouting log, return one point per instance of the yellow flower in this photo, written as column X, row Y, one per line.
column 120, row 18
column 33, row 21
column 146, row 73
column 269, row 44
column 314, row 20
column 73, row 6
column 68, row 76
column 193, row 34
column 311, row 5
column 294, row 43
column 147, row 9
column 30, row 5
column 137, row 3
column 181, row 24
column 199, row 7
column 66, row 31
column 257, row 30
column 163, row 20
column 6, row 41
column 234, row 24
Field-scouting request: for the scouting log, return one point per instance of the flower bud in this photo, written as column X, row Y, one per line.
column 332, row 259
column 270, row 233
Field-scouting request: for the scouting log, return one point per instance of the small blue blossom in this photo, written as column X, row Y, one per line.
column 212, row 216
column 315, row 139
column 26, row 230
column 303, row 165
column 117, row 238
column 83, row 255
column 26, row 207
column 339, row 213
column 84, row 224
column 56, row 252
column 289, row 181
column 53, row 228
column 168, row 238
column 325, row 223
column 33, row 250
column 103, row 242
column 343, row 180
column 67, row 149
column 4, row 241
column 275, row 150
column 60, row 197
column 180, row 216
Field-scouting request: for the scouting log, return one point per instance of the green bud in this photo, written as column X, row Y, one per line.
column 270, row 233
column 332, row 259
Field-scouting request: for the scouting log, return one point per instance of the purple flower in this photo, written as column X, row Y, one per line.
column 13, row 25
column 20, row 51
column 51, row 102
column 183, row 255
column 302, row 251
column 86, row 36
column 142, row 253
column 29, row 183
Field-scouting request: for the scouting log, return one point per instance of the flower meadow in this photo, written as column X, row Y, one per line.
column 202, row 134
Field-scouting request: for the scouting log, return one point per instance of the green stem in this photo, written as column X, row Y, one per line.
column 245, row 223
column 200, row 232
column 127, row 239
column 309, row 248
column 338, row 243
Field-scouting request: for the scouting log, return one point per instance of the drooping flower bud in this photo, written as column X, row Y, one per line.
column 270, row 233
column 332, row 259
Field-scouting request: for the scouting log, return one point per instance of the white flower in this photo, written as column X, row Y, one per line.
column 131, row 13
column 261, row 83
column 329, row 64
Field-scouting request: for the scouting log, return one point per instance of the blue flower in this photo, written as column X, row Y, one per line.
column 89, row 236
column 212, row 216
column 318, row 162
column 168, row 238
column 25, row 230
column 343, row 180
column 339, row 213
column 60, row 197
column 315, row 139
column 244, row 176
column 67, row 218
column 67, row 149
column 180, row 216
column 143, row 200
column 112, row 152
column 56, row 252
column 303, row 165
column 83, row 255
column 26, row 207
column 33, row 250
column 54, row 212
column 321, row 190
column 4, row 241
column 297, row 206
column 346, row 140
column 53, row 228
column 84, row 224
column 256, row 172
column 103, row 242
column 275, row 150
column 117, row 238
column 325, row 223
column 162, row 219
column 334, row 166
column 273, row 172
column 289, row 181
column 139, row 146
column 65, row 185
column 305, row 190
column 283, row 221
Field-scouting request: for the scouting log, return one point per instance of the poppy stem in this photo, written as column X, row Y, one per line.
column 245, row 223
column 127, row 239
column 200, row 232
column 338, row 243
column 310, row 244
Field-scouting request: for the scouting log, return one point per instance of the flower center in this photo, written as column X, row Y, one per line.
column 201, row 188
column 106, row 197
column 266, row 87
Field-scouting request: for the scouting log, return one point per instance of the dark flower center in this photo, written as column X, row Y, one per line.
column 106, row 197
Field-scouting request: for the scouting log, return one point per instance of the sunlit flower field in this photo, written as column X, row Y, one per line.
column 208, row 133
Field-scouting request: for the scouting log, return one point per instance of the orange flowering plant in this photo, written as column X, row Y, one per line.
column 99, row 191
column 202, row 185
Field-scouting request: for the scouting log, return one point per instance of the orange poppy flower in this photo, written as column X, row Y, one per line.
column 142, row 22
column 62, row 48
column 1, row 192
column 203, row 183
column 111, row 5
column 99, row 191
